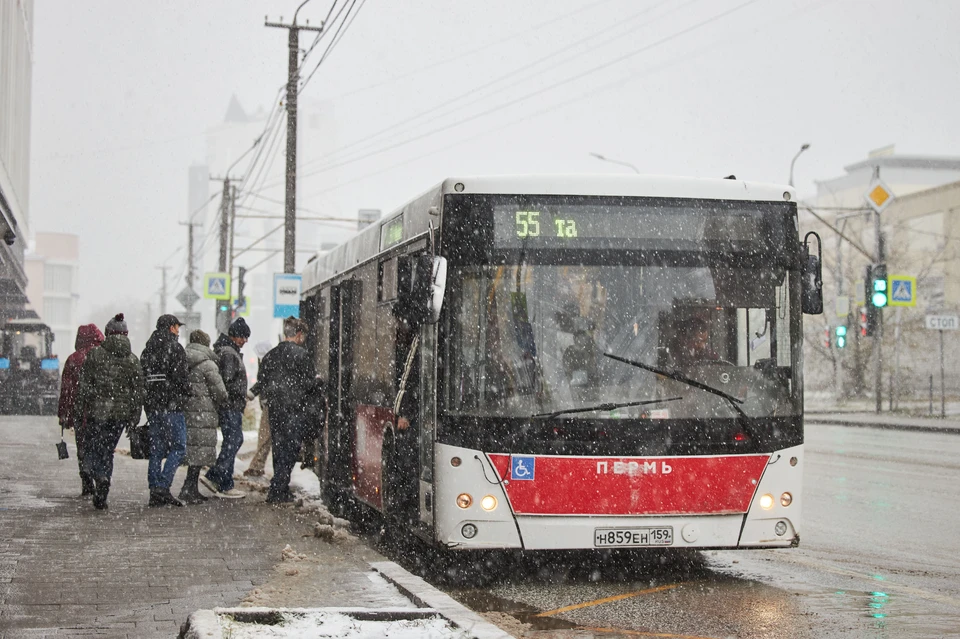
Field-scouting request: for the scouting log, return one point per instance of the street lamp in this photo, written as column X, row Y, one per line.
column 620, row 162
column 794, row 161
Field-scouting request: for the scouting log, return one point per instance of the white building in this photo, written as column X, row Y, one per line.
column 52, row 267
column 16, row 72
column 904, row 174
column 258, row 232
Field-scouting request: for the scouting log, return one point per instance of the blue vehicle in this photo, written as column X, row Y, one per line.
column 29, row 369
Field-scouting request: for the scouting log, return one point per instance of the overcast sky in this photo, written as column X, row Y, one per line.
column 123, row 91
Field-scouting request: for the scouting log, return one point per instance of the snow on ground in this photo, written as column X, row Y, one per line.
column 321, row 623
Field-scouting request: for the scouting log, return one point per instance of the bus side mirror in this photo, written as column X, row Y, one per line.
column 422, row 302
column 811, row 295
column 438, row 288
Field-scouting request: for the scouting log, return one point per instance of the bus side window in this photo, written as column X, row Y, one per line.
column 387, row 280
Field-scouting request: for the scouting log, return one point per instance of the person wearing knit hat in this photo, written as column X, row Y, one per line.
column 116, row 326
column 219, row 478
column 239, row 328
column 109, row 399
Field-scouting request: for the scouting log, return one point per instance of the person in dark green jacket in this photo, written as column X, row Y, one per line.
column 110, row 398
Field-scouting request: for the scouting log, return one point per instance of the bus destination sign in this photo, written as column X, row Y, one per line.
column 600, row 226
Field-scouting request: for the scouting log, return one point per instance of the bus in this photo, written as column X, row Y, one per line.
column 569, row 362
column 29, row 369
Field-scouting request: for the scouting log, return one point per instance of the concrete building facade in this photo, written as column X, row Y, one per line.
column 921, row 232
column 16, row 72
column 52, row 267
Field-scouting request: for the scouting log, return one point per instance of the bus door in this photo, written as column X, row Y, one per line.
column 428, row 419
column 341, row 420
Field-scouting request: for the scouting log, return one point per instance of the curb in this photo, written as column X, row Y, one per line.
column 205, row 624
column 423, row 594
column 823, row 419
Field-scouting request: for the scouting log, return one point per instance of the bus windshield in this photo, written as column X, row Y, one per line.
column 531, row 338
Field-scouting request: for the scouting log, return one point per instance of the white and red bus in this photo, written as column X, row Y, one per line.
column 570, row 362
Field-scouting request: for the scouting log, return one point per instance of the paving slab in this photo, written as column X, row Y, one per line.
column 67, row 570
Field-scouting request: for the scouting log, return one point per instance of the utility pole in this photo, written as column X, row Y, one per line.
column 191, row 275
column 233, row 220
column 227, row 211
column 878, row 336
column 225, row 206
column 293, row 76
column 163, row 289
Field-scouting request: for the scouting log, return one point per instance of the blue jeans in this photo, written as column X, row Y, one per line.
column 231, row 425
column 168, row 438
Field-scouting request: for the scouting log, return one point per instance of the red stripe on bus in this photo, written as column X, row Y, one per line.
column 633, row 485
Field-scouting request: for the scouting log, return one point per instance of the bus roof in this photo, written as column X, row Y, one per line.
column 419, row 212
column 624, row 185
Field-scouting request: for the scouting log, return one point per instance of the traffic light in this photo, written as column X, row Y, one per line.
column 826, row 337
column 876, row 282
column 841, row 336
column 878, row 285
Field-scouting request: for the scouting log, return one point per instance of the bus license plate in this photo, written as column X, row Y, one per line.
column 633, row 537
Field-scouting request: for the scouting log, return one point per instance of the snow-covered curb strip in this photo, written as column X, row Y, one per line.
column 423, row 594
column 205, row 624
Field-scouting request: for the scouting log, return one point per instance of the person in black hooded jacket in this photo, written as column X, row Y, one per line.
column 164, row 365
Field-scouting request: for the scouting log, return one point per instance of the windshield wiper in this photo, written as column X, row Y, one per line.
column 608, row 406
column 674, row 375
column 681, row 378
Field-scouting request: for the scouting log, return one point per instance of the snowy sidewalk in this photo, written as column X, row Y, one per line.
column 886, row 420
column 68, row 570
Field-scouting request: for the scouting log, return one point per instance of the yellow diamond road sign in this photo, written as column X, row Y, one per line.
column 878, row 196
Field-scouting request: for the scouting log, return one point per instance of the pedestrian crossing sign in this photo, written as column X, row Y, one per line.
column 216, row 286
column 903, row 290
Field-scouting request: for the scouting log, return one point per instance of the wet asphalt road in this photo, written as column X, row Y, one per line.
column 879, row 557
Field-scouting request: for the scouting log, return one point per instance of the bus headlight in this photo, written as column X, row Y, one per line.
column 489, row 502
column 464, row 500
column 766, row 502
column 780, row 528
column 786, row 499
column 469, row 531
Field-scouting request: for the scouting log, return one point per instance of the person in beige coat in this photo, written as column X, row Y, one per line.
column 207, row 395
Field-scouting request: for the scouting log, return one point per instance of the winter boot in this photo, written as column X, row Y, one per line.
column 170, row 500
column 100, row 492
column 190, row 493
column 87, row 486
column 156, row 498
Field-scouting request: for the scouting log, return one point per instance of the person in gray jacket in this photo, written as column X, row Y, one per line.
column 201, row 408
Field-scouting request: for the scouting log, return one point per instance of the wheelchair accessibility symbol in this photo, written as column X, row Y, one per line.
column 522, row 467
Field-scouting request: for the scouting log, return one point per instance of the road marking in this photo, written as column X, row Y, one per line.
column 640, row 633
column 597, row 602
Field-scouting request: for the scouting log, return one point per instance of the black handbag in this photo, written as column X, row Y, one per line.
column 62, row 447
column 139, row 441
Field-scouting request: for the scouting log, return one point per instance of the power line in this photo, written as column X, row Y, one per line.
column 334, row 40
column 525, row 97
column 473, row 92
column 465, row 54
column 583, row 96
